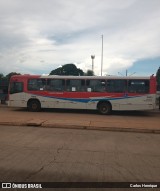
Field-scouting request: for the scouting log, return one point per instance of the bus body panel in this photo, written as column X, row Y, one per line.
column 144, row 102
column 81, row 100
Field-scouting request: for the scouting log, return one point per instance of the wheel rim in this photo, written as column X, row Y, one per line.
column 104, row 108
column 34, row 106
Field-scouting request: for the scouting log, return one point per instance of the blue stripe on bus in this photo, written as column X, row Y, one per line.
column 84, row 100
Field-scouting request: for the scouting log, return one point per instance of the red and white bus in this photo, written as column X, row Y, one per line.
column 104, row 93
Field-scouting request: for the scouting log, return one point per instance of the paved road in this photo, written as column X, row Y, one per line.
column 45, row 154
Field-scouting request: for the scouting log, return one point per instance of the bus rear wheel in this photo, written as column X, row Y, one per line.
column 34, row 105
column 104, row 108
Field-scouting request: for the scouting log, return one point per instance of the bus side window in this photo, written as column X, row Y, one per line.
column 116, row 86
column 96, row 85
column 41, row 83
column 75, row 85
column 138, row 86
column 36, row 84
column 16, row 87
column 56, row 85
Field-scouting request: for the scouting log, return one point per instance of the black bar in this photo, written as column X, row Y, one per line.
column 81, row 184
column 98, row 185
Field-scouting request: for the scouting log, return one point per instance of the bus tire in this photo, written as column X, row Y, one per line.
column 34, row 105
column 104, row 108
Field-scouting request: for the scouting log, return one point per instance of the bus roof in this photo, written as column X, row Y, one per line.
column 95, row 77
column 81, row 77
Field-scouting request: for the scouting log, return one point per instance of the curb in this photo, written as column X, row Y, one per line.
column 42, row 124
column 121, row 129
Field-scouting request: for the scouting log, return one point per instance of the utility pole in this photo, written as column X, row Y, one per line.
column 102, row 57
column 126, row 72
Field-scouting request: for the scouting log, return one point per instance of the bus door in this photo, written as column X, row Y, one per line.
column 16, row 94
column 138, row 94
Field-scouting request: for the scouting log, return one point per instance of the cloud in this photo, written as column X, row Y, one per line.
column 38, row 36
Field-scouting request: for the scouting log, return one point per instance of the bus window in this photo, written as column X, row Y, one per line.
column 36, row 84
column 138, row 86
column 96, row 85
column 75, row 85
column 16, row 87
column 116, row 86
column 56, row 85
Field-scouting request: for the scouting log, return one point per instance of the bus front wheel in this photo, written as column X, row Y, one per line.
column 34, row 105
column 104, row 108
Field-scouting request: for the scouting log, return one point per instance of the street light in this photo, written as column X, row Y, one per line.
column 102, row 57
column 93, row 57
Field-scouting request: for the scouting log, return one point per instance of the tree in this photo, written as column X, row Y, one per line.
column 8, row 76
column 4, row 83
column 158, row 79
column 89, row 73
column 67, row 70
column 3, row 87
column 1, row 76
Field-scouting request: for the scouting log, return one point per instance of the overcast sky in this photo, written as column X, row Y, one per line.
column 37, row 36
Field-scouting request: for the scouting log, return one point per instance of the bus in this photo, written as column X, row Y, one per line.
column 102, row 93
